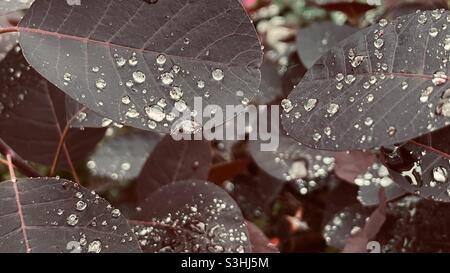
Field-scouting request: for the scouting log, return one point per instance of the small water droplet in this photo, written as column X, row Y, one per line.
column 218, row 74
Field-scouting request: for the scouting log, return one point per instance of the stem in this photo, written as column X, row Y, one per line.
column 58, row 150
column 20, row 163
column 9, row 29
column 62, row 145
column 12, row 174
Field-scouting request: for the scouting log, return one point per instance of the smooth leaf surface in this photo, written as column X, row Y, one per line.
column 383, row 85
column 55, row 215
column 316, row 39
column 122, row 157
column 110, row 57
column 370, row 182
column 172, row 161
column 192, row 216
column 422, row 166
column 33, row 117
column 8, row 6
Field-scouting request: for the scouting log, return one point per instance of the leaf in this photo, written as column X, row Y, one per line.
column 33, row 117
column 415, row 225
column 122, row 157
column 294, row 73
column 292, row 161
column 85, row 118
column 359, row 242
column 422, row 166
column 109, row 57
column 346, row 222
column 9, row 6
column 192, row 216
column 55, row 215
column 316, row 39
column 271, row 83
column 254, row 194
column 371, row 182
column 350, row 99
column 351, row 164
column 172, row 161
column 260, row 243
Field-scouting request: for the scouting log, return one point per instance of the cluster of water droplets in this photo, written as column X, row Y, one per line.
column 193, row 228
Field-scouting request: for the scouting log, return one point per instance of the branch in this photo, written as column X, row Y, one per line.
column 9, row 29
column 20, row 163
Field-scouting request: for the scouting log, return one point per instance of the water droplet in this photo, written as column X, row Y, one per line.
column 440, row 174
column 115, row 213
column 132, row 113
column 120, row 61
column 383, row 22
column 176, row 93
column 139, row 77
column 439, row 78
column 81, row 205
column 368, row 121
column 422, row 19
column 72, row 220
column 161, row 59
column 317, row 137
column 100, row 83
column 126, row 100
column 287, row 105
column 310, row 104
column 218, row 74
column 349, row 79
column 95, row 247
column 339, row 77
column 332, row 109
column 67, row 77
column 404, row 85
column 433, row 32
column 201, row 84
column 379, row 43
column 167, row 78
column 95, row 69
column 155, row 112
column 391, row 131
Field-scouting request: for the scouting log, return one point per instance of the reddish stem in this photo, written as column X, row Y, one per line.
column 12, row 174
column 19, row 163
column 9, row 29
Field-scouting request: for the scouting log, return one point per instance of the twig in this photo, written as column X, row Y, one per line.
column 20, row 163
column 9, row 29
column 12, row 174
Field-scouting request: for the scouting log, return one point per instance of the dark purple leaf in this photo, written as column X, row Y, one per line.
column 316, row 39
column 271, row 83
column 416, row 225
column 351, row 164
column 122, row 157
column 260, row 243
column 376, row 178
column 110, row 57
column 422, row 166
column 191, row 216
column 55, row 215
column 33, row 117
column 359, row 242
column 384, row 85
column 254, row 193
column 172, row 161
column 292, row 161
column 9, row 6
column 295, row 71
column 85, row 118
column 345, row 223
